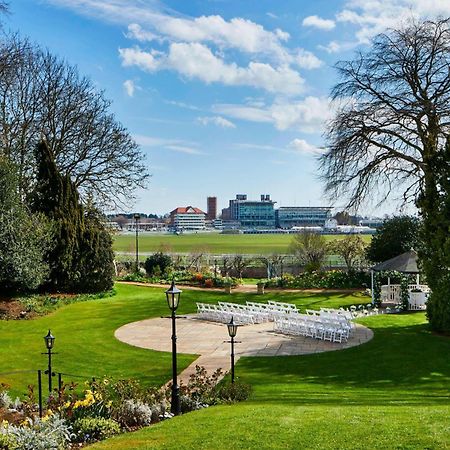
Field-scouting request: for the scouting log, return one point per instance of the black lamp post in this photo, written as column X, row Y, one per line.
column 173, row 299
column 136, row 222
column 232, row 330
column 49, row 342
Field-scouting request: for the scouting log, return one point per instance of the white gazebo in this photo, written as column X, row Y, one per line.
column 405, row 263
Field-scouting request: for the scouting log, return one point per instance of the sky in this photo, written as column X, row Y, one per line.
column 224, row 96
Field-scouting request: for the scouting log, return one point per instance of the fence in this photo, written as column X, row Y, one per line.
column 40, row 375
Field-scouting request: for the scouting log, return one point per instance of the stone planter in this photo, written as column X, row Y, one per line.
column 228, row 289
column 260, row 287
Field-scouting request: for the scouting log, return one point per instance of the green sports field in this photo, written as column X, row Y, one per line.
column 213, row 243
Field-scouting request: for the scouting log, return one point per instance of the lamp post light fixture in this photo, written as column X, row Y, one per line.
column 49, row 343
column 173, row 299
column 232, row 330
column 137, row 217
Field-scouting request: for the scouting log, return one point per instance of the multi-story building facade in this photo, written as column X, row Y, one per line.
column 302, row 216
column 187, row 218
column 211, row 208
column 253, row 213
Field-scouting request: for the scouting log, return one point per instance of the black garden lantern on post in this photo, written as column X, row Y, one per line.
column 232, row 330
column 49, row 343
column 173, row 299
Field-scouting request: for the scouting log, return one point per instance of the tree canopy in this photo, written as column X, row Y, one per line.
column 397, row 235
column 389, row 136
column 42, row 96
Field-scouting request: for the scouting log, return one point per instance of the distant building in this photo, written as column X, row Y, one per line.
column 372, row 223
column 226, row 214
column 187, row 218
column 211, row 208
column 252, row 213
column 302, row 216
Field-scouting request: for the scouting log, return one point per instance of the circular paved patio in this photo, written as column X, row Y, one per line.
column 210, row 341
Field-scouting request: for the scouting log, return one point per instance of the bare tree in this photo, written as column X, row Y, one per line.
column 351, row 248
column 273, row 264
column 41, row 96
column 395, row 114
column 310, row 249
column 390, row 134
column 239, row 263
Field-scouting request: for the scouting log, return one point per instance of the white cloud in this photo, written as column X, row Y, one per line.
column 182, row 105
column 195, row 60
column 135, row 31
column 318, row 22
column 129, row 87
column 184, row 149
column 175, row 145
column 136, row 57
column 307, row 60
column 331, row 47
column 302, row 146
column 376, row 16
column 216, row 120
column 307, row 115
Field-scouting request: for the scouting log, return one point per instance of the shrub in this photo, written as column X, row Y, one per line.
column 135, row 413
column 234, row 392
column 5, row 399
column 52, row 433
column 160, row 260
column 7, row 441
column 209, row 283
column 332, row 279
column 90, row 429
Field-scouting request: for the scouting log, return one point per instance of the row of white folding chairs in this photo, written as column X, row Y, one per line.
column 341, row 312
column 324, row 317
column 241, row 313
column 260, row 311
column 303, row 326
column 280, row 309
column 219, row 313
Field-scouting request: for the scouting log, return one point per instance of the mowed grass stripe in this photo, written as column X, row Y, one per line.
column 213, row 243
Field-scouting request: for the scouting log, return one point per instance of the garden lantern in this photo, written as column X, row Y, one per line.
column 49, row 343
column 173, row 299
column 232, row 330
column 173, row 296
column 136, row 221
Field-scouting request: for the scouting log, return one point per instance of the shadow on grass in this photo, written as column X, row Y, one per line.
column 403, row 364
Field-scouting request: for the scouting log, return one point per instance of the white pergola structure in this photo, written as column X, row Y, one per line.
column 405, row 263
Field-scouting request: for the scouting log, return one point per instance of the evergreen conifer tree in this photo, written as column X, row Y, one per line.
column 81, row 258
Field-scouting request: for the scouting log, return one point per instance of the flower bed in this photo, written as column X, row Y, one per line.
column 104, row 409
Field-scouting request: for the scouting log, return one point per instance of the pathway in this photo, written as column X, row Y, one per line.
column 209, row 340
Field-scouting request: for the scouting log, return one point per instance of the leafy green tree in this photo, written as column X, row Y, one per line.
column 23, row 237
column 435, row 253
column 351, row 248
column 310, row 249
column 396, row 236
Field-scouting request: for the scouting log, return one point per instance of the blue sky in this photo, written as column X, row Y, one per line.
column 224, row 96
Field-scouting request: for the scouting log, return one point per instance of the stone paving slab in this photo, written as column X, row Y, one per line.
column 210, row 341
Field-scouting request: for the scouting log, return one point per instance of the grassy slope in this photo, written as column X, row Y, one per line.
column 392, row 392
column 210, row 242
column 85, row 335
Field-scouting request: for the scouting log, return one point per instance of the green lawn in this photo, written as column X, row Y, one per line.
column 392, row 392
column 85, row 340
column 213, row 243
